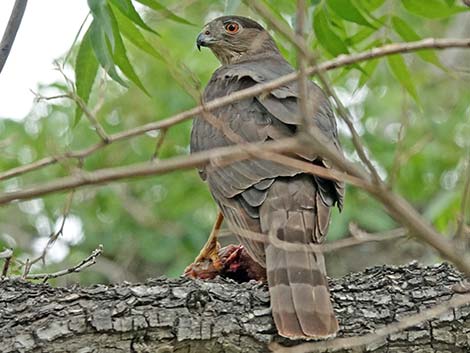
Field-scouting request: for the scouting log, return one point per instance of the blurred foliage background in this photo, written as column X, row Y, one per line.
column 412, row 111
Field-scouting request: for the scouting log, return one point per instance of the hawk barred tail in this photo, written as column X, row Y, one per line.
column 294, row 212
column 264, row 197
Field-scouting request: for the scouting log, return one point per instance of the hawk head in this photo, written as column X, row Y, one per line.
column 235, row 38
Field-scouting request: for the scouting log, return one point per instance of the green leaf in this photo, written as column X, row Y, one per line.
column 325, row 35
column 347, row 11
column 120, row 56
column 400, row 70
column 361, row 35
column 86, row 68
column 371, row 5
column 101, row 47
column 128, row 10
column 130, row 31
column 404, row 30
column 154, row 5
column 367, row 7
column 408, row 34
column 368, row 69
column 432, row 8
column 100, row 11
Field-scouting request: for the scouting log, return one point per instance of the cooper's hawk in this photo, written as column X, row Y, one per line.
column 263, row 196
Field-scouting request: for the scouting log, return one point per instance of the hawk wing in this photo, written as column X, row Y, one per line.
column 266, row 197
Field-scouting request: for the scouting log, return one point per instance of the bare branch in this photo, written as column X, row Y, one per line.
column 308, row 167
column 87, row 262
column 11, row 30
column 148, row 168
column 80, row 154
column 358, row 237
column 302, row 65
column 86, row 111
column 53, row 237
column 69, row 52
column 159, row 143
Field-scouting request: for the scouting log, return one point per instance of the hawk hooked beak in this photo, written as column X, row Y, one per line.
column 204, row 39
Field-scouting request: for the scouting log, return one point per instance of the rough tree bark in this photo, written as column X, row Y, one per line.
column 181, row 315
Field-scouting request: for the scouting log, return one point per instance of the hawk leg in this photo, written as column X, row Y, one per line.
column 207, row 264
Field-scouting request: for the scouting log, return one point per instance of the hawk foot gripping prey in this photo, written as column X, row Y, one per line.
column 234, row 263
column 259, row 196
column 231, row 261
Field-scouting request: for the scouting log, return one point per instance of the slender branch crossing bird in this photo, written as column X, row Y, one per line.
column 261, row 196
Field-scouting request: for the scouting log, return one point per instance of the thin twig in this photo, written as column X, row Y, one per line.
column 68, row 81
column 52, row 238
column 10, row 31
column 87, row 262
column 214, row 156
column 91, row 117
column 159, row 143
column 380, row 334
column 314, row 169
column 302, row 65
column 341, row 61
column 69, row 52
column 358, row 237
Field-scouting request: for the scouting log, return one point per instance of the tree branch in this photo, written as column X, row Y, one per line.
column 220, row 316
column 358, row 237
column 148, row 168
column 11, row 30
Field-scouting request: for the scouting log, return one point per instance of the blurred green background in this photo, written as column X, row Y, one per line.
column 412, row 111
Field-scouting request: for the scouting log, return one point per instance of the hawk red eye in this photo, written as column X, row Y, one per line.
column 232, row 27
